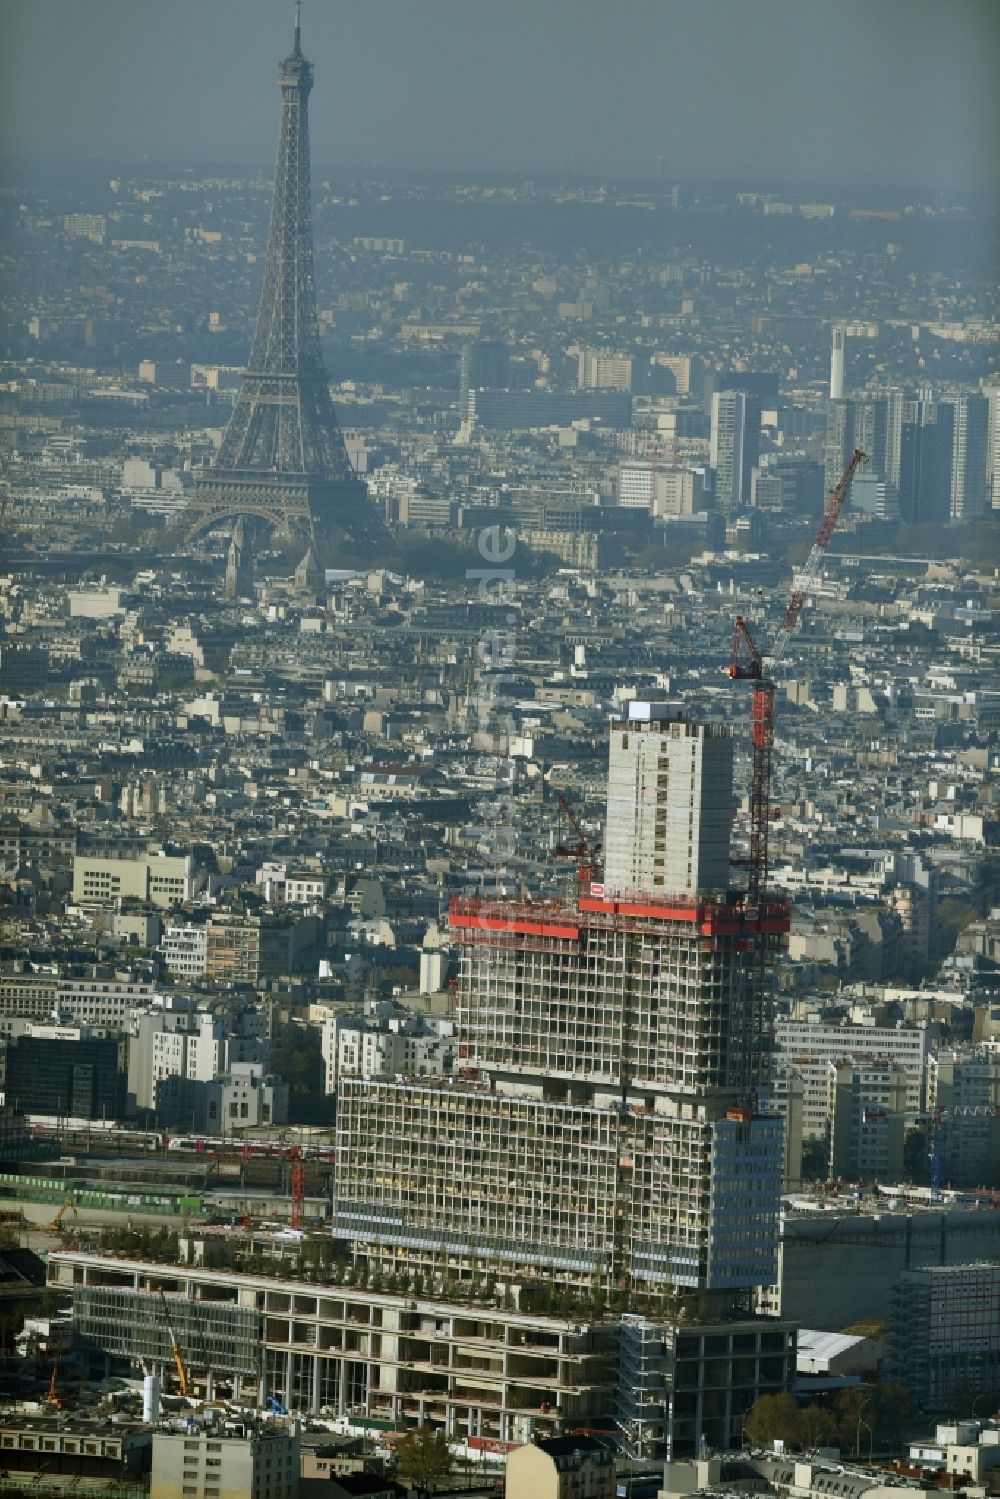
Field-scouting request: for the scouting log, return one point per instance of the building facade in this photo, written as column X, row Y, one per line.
column 734, row 448
column 944, row 1332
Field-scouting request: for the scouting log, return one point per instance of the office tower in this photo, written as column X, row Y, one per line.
column 484, row 365
column 837, row 365
column 239, row 564
column 925, row 463
column 734, row 448
column 603, row 1140
column 967, row 489
column 282, row 457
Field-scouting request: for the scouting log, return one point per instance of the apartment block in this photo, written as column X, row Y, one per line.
column 599, row 370
column 247, row 949
column 808, row 1047
column 963, row 1094
column 165, row 880
column 866, row 1108
column 185, row 950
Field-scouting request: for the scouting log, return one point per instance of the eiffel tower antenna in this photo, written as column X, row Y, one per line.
column 282, row 460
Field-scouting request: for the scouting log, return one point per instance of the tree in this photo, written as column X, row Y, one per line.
column 855, row 1409
column 771, row 1417
column 424, row 1456
column 816, row 1427
column 895, row 1408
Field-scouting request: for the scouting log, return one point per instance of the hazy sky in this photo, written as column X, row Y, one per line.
column 883, row 90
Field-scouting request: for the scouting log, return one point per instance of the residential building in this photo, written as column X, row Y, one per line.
column 184, row 949
column 92, row 226
column 599, row 370
column 866, row 1108
column 571, row 1467
column 663, row 492
column 383, row 1042
column 102, row 1001
column 243, row 949
column 809, row 1045
column 963, row 1098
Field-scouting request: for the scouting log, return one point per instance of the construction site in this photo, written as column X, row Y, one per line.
column 579, row 1224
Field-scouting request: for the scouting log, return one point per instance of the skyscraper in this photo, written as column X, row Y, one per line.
column 735, row 448
column 968, row 478
column 992, row 394
column 925, row 463
column 604, row 1136
column 282, row 458
column 837, row 365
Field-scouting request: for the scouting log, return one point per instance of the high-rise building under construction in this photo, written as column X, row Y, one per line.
column 605, row 1135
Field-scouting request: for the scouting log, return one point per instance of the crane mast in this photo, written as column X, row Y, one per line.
column 747, row 664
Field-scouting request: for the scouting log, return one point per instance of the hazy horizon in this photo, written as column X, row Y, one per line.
column 893, row 92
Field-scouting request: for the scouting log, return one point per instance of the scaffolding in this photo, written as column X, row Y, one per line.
column 609, row 1049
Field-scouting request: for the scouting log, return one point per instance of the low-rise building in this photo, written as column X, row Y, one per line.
column 210, row 1462
column 571, row 1467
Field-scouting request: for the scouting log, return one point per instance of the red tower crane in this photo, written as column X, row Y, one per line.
column 748, row 665
column 580, row 850
column 298, row 1187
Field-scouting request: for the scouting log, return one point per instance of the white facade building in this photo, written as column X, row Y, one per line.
column 184, row 949
column 809, row 1048
column 386, row 1043
column 670, row 789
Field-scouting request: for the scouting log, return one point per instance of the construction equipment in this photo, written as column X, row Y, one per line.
column 580, row 850
column 298, row 1187
column 175, row 1348
column 751, row 667
column 69, row 1206
column 52, row 1395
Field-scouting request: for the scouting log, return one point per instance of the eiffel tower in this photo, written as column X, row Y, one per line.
column 282, row 460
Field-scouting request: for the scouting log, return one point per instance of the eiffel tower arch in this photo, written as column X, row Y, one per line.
column 282, row 460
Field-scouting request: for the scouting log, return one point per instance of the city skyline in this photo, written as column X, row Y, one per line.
column 899, row 92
